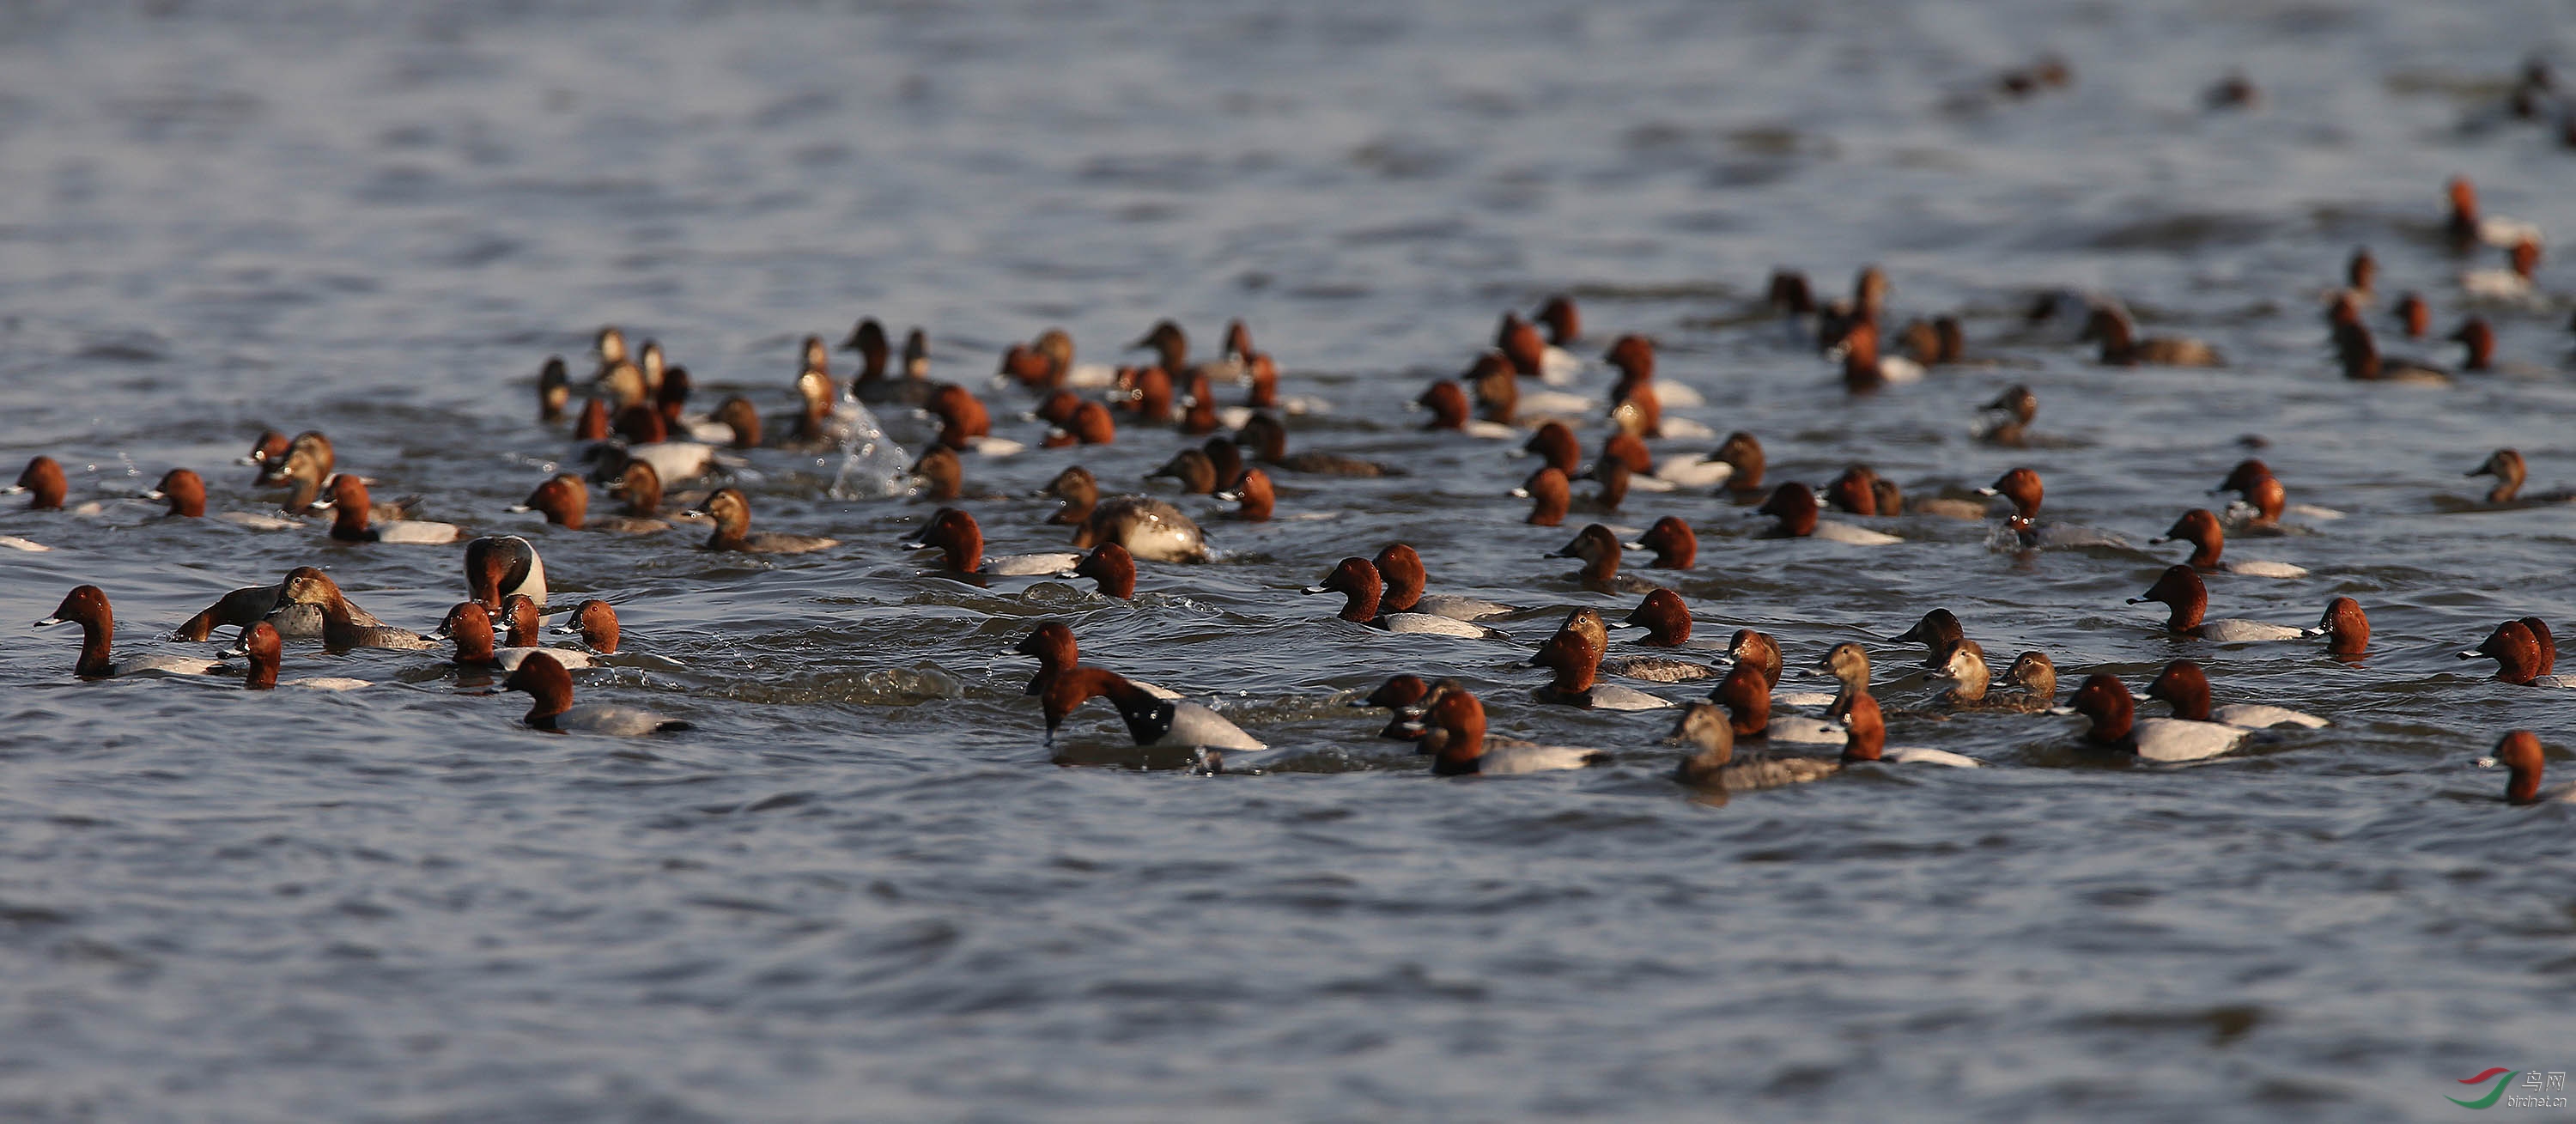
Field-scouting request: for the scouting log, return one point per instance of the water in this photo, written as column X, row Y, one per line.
column 859, row 889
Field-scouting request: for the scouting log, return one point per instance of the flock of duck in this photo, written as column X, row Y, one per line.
column 638, row 434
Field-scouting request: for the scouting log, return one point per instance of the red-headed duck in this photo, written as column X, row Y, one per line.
column 1549, row 495
column 1397, row 695
column 1454, row 734
column 2519, row 752
column 1111, row 567
column 470, row 627
column 1556, row 444
column 43, row 482
column 1400, row 567
column 2121, row 348
column 2513, row 283
column 497, row 566
column 1865, row 739
column 869, row 341
column 641, row 489
column 2507, row 467
column 2022, row 486
column 1940, row 635
column 1363, row 590
column 87, row 607
column 1930, row 343
column 1794, row 506
column 1629, row 452
column 2200, row 528
column 2468, row 228
column 1667, row 622
column 1496, row 388
column 2520, row 658
column 1613, row 477
column 592, row 423
column 551, row 708
column 1752, row 646
column 1637, row 400
column 1450, row 410
column 2261, row 498
column 1531, row 354
column 2414, row 317
column 955, row 532
column 1855, row 491
column 2106, row 700
column 1673, row 542
column 2180, row 590
column 966, row 426
column 341, row 628
column 1052, row 643
column 1575, row 656
column 185, row 491
column 1714, row 762
column 1746, row 694
column 1171, row 346
column 263, row 650
column 1150, row 721
column 1563, row 323
column 1864, row 369
column 1251, row 495
column 595, row 622
column 269, row 448
column 308, row 459
column 2360, row 273
column 942, row 476
column 2345, row 627
column 2548, row 643
column 350, row 508
column 2477, row 341
column 1789, row 297
column 2183, row 684
column 565, row 502
column 730, row 510
column 741, row 419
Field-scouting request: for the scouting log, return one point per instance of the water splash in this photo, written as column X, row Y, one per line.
column 873, row 467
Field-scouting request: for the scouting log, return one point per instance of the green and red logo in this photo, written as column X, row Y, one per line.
column 2493, row 1095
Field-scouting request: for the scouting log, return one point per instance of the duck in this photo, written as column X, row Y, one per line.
column 641, row 488
column 306, row 472
column 265, row 450
column 2022, row 486
column 1847, row 663
column 1150, row 721
column 1969, row 676
column 1854, row 491
column 1191, row 469
column 2513, row 283
column 564, row 500
column 1575, row 657
column 2468, row 228
column 185, row 492
column 2477, row 343
column 1746, row 695
column 1550, row 495
column 1793, row 301
column 2009, row 427
column 1674, row 544
column 1736, row 462
column 350, row 520
column 1400, row 693
column 1151, row 529
column 1598, row 547
column 1704, row 727
column 87, row 607
column 1865, row 739
column 2414, row 317
column 1171, row 347
column 2033, row 677
column 1450, row 412
column 1453, row 733
column 1667, row 621
column 2183, row 684
column 1794, row 506
column 2520, row 753
column 2345, row 627
column 262, row 647
column 1400, row 568
column 1051, row 642
column 552, row 710
column 341, row 628
column 1110, row 567
column 2520, row 657
column 731, row 512
column 942, row 476
column 470, row 627
column 2120, row 348
column 2180, row 589
column 1864, row 369
column 1252, row 496
column 2360, row 357
column 251, row 605
column 1932, row 343
column 2507, row 467
column 1637, row 400
column 2106, row 700
column 501, row 566
column 595, row 622
column 1357, row 580
column 955, row 532
column 2262, row 501
column 967, row 427
column 1940, row 635
column 1268, row 442
column 43, row 483
column 2201, row 529
column 1532, row 355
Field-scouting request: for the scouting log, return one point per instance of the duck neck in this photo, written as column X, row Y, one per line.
column 96, row 638
column 2523, row 787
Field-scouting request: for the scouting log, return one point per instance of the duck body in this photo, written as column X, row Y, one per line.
column 2180, row 739
column 2263, row 716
